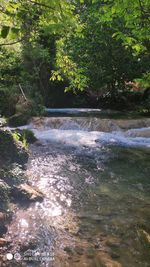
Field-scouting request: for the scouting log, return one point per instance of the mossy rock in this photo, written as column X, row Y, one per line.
column 13, row 175
column 27, row 135
column 10, row 150
column 18, row 120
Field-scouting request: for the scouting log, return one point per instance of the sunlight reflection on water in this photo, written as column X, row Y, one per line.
column 89, row 187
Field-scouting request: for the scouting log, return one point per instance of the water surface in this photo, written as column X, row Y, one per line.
column 96, row 210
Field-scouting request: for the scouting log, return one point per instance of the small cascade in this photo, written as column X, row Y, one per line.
column 91, row 131
column 75, row 123
column 141, row 132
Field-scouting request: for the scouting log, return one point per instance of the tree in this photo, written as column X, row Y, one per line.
column 93, row 58
column 33, row 27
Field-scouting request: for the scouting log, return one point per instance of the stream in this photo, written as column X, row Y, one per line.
column 95, row 175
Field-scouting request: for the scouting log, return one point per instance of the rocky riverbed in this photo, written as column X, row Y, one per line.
column 15, row 188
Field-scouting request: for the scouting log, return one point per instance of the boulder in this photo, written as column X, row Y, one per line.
column 69, row 250
column 18, row 119
column 11, row 150
column 3, row 122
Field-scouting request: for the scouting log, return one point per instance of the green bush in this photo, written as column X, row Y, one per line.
column 7, row 106
column 26, row 135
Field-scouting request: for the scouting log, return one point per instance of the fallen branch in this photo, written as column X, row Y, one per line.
column 22, row 92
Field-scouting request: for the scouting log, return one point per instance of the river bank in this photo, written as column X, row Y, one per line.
column 15, row 188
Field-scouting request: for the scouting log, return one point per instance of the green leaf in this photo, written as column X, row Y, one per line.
column 5, row 31
column 14, row 32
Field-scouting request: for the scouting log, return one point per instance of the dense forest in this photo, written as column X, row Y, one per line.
column 63, row 53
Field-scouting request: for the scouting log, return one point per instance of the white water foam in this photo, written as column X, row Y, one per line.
column 139, row 132
column 90, row 138
column 75, row 133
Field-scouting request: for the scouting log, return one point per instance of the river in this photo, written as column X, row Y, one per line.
column 95, row 175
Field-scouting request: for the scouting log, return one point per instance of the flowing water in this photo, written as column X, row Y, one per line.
column 95, row 175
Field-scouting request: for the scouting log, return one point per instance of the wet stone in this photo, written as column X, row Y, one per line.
column 3, row 230
column 69, row 250
column 79, row 250
column 101, row 247
column 27, row 192
column 76, row 259
column 5, row 217
column 115, row 255
column 114, row 243
column 32, row 244
column 90, row 253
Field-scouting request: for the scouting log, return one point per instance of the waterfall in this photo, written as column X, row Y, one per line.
column 91, row 131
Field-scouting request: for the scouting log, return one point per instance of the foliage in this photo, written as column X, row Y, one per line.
column 35, row 26
column 94, row 46
column 19, row 137
column 134, row 21
column 95, row 59
column 144, row 81
column 26, row 136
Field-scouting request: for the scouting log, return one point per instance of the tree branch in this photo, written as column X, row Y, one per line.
column 41, row 4
column 15, row 42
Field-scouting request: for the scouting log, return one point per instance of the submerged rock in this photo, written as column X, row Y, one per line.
column 90, row 253
column 115, row 255
column 105, row 260
column 3, row 242
column 113, row 243
column 27, row 192
column 79, row 250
